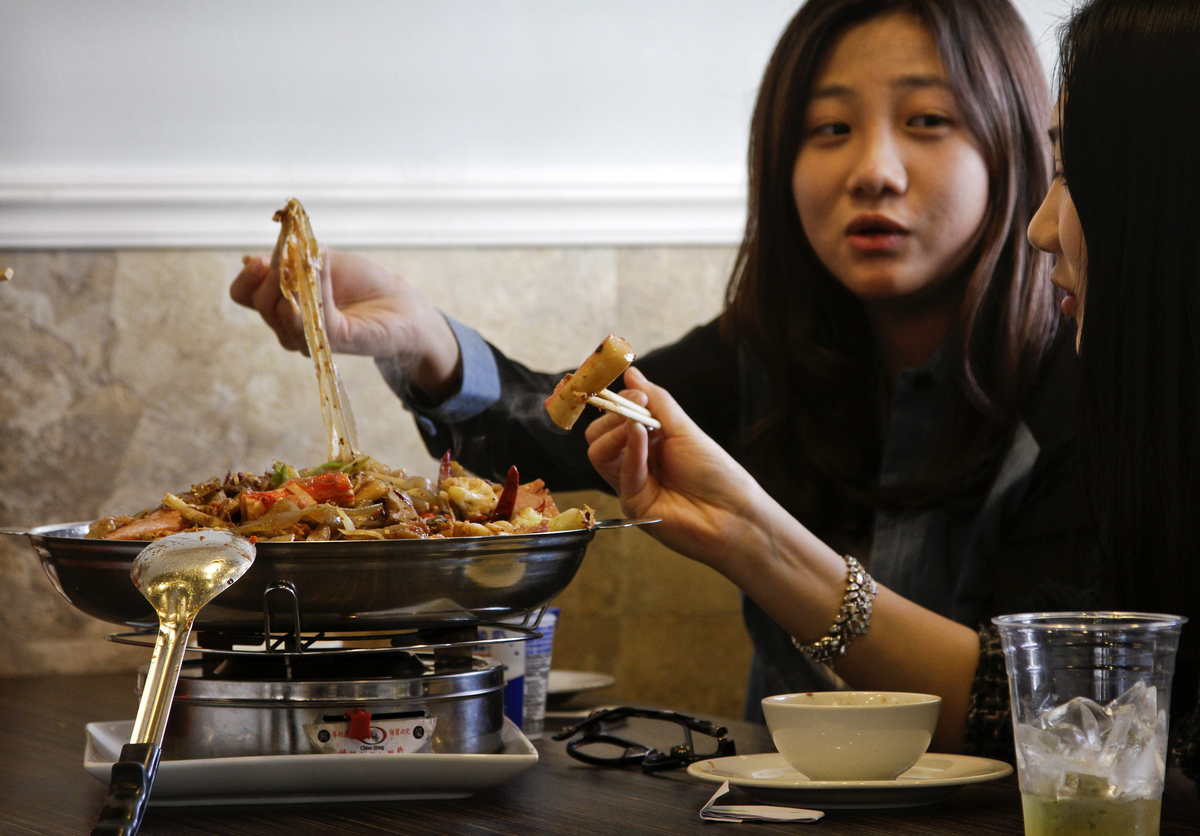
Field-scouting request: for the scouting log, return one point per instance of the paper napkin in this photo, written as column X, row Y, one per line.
column 753, row 812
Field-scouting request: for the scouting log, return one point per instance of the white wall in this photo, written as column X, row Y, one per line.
column 143, row 123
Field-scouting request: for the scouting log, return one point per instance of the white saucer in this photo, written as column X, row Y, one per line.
column 292, row 779
column 769, row 779
column 565, row 685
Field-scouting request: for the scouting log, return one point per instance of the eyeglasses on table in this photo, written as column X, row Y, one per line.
column 592, row 743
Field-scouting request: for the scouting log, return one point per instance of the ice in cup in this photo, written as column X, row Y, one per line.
column 1091, row 702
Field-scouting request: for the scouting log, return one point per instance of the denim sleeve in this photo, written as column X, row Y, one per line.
column 480, row 382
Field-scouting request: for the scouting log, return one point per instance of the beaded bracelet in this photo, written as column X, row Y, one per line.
column 852, row 619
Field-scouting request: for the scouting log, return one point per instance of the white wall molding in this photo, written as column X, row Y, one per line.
column 138, row 123
column 90, row 210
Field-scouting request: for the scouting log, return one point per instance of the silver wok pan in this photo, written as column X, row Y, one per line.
column 339, row 586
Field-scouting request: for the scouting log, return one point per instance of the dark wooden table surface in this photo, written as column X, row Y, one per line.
column 45, row 791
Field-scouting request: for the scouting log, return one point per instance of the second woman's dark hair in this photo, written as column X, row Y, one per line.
column 1130, row 142
column 811, row 334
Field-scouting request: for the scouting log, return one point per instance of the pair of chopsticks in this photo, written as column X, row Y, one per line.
column 612, row 402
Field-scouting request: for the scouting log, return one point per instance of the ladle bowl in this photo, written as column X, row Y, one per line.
column 178, row 575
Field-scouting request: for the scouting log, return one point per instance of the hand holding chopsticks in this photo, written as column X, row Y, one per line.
column 612, row 402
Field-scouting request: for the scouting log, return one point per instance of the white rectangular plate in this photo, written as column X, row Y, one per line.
column 294, row 779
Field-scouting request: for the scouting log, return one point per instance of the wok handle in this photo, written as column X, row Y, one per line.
column 14, row 532
column 128, row 790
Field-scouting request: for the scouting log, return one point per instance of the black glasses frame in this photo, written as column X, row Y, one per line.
column 591, row 731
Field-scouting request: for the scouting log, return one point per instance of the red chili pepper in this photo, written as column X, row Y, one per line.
column 508, row 499
column 444, row 470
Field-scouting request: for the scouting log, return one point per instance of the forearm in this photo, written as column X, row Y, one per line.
column 801, row 583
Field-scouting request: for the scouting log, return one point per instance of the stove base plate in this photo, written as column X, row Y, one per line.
column 296, row 779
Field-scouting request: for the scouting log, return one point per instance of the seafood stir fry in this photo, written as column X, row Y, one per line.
column 356, row 500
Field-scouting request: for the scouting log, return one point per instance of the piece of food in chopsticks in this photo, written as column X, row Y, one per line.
column 297, row 258
column 589, row 384
column 6, row 274
column 359, row 500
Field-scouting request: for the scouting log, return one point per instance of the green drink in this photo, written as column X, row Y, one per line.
column 1090, row 816
column 1090, row 694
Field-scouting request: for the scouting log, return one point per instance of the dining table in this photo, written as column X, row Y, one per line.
column 44, row 790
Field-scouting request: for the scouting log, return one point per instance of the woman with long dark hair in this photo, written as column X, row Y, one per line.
column 1123, row 217
column 887, row 366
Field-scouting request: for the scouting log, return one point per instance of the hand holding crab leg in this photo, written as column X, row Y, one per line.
column 713, row 511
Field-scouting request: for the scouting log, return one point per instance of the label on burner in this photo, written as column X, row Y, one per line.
column 387, row 737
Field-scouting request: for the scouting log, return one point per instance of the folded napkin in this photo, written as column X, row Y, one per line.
column 753, row 812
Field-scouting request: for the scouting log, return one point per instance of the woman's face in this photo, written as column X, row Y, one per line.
column 889, row 183
column 1055, row 229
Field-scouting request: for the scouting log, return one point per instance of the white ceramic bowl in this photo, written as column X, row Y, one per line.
column 852, row 735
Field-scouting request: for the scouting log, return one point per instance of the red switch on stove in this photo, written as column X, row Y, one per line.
column 360, row 724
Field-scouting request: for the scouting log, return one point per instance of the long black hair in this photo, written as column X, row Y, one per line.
column 1130, row 143
column 811, row 334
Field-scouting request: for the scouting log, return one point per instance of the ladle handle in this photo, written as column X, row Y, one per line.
column 161, row 678
column 128, row 790
column 133, row 775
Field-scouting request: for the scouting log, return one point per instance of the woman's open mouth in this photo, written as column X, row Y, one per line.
column 875, row 233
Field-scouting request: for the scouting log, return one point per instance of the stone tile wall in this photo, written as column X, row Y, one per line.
column 127, row 373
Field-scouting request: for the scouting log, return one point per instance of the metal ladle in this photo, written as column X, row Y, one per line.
column 178, row 575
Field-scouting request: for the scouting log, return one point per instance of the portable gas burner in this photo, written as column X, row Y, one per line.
column 277, row 693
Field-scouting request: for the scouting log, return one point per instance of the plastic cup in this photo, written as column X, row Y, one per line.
column 1091, row 698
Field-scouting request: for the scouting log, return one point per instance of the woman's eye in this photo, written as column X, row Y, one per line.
column 928, row 120
column 831, row 129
